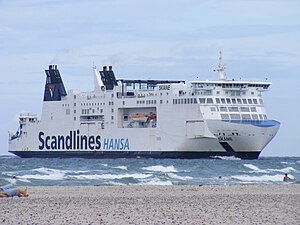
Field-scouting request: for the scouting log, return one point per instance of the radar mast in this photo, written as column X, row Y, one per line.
column 221, row 68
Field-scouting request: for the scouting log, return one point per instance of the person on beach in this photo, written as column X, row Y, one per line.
column 11, row 192
column 286, row 178
column 13, row 180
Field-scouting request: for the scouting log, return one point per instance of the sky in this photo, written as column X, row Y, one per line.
column 165, row 39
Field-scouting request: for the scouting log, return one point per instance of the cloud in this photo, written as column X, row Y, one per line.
column 244, row 31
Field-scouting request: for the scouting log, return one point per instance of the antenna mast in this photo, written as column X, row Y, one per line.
column 221, row 68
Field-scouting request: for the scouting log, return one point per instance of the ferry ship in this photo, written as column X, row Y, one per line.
column 124, row 118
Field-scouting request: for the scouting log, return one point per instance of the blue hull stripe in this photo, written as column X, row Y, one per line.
column 132, row 154
column 258, row 123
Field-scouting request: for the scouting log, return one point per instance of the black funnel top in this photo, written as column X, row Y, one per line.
column 108, row 78
column 54, row 87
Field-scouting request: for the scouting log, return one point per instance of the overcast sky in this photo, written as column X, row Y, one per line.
column 163, row 39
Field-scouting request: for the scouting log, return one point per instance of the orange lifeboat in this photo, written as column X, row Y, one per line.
column 139, row 117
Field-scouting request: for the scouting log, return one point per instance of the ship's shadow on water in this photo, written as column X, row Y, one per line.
column 218, row 170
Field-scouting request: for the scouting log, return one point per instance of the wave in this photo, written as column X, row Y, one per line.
column 255, row 168
column 121, row 167
column 159, row 168
column 226, row 157
column 109, row 176
column 284, row 170
column 174, row 176
column 54, row 176
column 45, row 170
column 258, row 170
column 156, row 181
column 263, row 178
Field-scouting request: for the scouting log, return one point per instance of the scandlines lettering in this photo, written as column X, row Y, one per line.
column 76, row 141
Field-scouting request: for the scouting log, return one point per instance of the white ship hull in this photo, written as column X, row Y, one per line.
column 166, row 120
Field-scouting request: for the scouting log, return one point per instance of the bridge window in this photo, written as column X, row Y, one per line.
column 223, row 109
column 235, row 116
column 244, row 101
column 245, row 109
column 246, row 117
column 249, row 100
column 218, row 100
column 233, row 109
column 239, row 101
column 209, row 100
column 224, row 116
column 223, row 100
column 202, row 100
column 233, row 101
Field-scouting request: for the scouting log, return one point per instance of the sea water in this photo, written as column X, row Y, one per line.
column 215, row 171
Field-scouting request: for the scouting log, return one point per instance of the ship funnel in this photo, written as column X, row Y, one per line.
column 54, row 87
column 108, row 78
column 98, row 84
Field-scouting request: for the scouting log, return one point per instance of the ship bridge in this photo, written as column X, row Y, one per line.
column 128, row 86
column 230, row 85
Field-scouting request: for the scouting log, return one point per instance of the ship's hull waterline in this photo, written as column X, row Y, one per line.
column 134, row 154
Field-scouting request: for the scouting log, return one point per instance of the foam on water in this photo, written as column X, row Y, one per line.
column 121, row 167
column 284, row 170
column 148, row 171
column 109, row 176
column 45, row 170
column 159, row 168
column 175, row 176
column 226, row 157
column 255, row 168
column 263, row 178
column 258, row 170
column 54, row 176
column 157, row 181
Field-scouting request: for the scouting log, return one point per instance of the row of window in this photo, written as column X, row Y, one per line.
column 91, row 111
column 91, row 104
column 185, row 101
column 233, row 109
column 146, row 102
column 231, row 101
column 234, row 116
column 228, row 85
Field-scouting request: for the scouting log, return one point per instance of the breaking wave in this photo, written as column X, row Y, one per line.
column 159, row 168
column 225, row 157
column 262, row 179
column 255, row 169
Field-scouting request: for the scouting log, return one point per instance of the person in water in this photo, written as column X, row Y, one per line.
column 286, row 177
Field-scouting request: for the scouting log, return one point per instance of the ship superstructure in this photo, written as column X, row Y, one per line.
column 147, row 118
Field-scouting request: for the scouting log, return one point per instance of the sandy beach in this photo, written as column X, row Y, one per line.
column 211, row 204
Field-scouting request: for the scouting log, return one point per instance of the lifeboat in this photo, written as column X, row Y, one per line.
column 139, row 117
